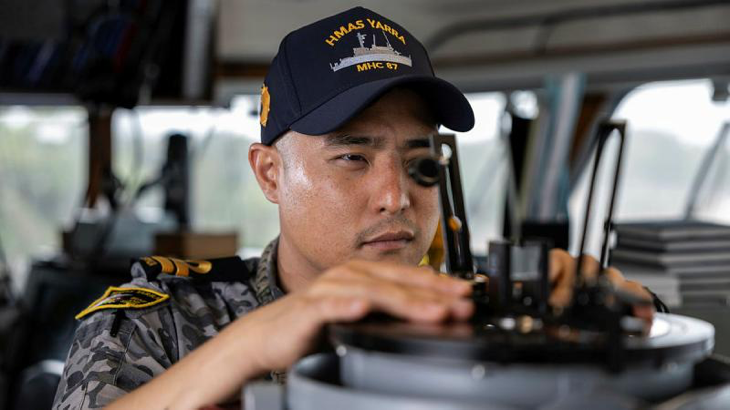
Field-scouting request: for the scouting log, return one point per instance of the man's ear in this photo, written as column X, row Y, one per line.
column 266, row 165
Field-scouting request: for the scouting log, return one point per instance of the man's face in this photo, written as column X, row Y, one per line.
column 347, row 194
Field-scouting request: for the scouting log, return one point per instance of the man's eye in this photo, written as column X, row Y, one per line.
column 352, row 158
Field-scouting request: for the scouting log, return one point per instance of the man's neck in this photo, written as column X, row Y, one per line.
column 295, row 271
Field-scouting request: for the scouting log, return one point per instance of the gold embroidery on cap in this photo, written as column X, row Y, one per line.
column 373, row 57
column 265, row 101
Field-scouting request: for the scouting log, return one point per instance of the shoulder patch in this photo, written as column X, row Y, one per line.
column 125, row 298
column 219, row 269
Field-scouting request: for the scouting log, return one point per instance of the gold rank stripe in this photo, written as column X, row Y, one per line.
column 127, row 300
column 166, row 264
column 178, row 267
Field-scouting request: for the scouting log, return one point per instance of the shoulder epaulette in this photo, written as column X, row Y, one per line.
column 230, row 269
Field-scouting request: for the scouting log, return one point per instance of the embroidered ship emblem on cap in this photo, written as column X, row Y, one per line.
column 364, row 54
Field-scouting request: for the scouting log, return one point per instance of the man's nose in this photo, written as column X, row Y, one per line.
column 391, row 190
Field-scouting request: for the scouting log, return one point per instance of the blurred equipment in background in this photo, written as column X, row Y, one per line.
column 10, row 317
column 175, row 179
column 99, row 249
column 54, row 293
column 685, row 261
column 124, row 233
column 694, row 255
column 702, row 180
column 114, row 53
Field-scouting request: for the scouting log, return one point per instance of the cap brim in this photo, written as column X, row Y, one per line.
column 448, row 104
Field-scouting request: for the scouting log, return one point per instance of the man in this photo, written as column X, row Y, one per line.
column 347, row 103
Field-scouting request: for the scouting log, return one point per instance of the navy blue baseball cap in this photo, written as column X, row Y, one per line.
column 327, row 72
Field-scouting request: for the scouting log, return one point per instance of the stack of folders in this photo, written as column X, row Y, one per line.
column 685, row 262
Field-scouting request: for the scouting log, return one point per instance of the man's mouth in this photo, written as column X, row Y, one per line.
column 390, row 241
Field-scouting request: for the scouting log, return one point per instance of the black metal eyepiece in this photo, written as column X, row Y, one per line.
column 425, row 171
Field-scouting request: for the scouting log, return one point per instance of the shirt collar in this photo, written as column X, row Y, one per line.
column 265, row 282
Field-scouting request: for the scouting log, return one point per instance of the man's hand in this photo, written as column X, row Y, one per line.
column 287, row 328
column 562, row 276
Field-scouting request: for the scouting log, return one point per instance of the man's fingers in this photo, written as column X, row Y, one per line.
column 617, row 279
column 642, row 311
column 346, row 309
column 412, row 303
column 562, row 276
column 424, row 277
column 416, row 303
column 589, row 267
column 561, row 262
column 558, row 264
column 614, row 276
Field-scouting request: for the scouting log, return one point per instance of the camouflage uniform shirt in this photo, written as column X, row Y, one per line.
column 103, row 364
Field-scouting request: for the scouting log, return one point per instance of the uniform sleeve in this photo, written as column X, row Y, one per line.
column 103, row 364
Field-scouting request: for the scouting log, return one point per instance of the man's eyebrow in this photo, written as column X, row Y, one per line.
column 344, row 140
column 421, row 142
